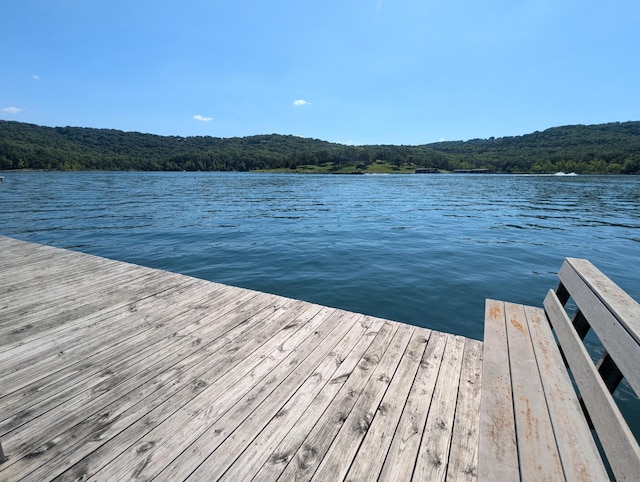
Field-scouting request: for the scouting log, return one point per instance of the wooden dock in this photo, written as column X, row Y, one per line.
column 111, row 371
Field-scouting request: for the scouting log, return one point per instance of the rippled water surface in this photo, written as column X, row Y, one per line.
column 423, row 249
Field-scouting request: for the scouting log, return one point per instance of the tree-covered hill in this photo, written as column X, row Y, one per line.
column 604, row 148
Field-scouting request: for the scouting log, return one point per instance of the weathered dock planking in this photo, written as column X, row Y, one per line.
column 111, row 371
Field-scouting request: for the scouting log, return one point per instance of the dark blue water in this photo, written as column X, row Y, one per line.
column 422, row 249
column 425, row 250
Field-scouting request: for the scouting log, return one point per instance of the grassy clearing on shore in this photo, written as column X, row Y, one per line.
column 376, row 167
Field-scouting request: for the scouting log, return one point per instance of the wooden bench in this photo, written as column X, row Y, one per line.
column 534, row 422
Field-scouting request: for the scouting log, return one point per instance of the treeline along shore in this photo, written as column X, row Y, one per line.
column 612, row 148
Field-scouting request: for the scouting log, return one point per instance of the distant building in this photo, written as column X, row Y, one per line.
column 472, row 171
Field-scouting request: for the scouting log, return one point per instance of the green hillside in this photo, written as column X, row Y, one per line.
column 605, row 148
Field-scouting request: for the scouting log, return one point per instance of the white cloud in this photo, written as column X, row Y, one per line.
column 300, row 102
column 35, row 77
column 11, row 110
column 202, row 118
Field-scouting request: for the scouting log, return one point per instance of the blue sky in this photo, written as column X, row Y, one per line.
column 349, row 71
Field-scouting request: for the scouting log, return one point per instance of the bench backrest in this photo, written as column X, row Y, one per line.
column 615, row 318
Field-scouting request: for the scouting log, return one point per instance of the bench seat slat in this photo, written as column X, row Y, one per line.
column 613, row 320
column 497, row 451
column 617, row 440
column 578, row 452
column 537, row 450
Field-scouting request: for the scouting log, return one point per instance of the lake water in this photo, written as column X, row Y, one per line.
column 422, row 249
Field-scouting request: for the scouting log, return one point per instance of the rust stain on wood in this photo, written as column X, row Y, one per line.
column 516, row 324
column 495, row 312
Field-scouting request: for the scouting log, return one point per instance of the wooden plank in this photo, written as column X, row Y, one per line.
column 222, row 454
column 100, row 380
column 22, row 287
column 202, row 433
column 433, row 455
column 37, row 322
column 28, row 274
column 617, row 330
column 64, row 345
column 12, row 244
column 156, row 325
column 134, row 297
column 66, row 268
column 334, row 459
column 76, row 332
column 619, row 443
column 16, row 247
column 29, row 300
column 578, row 452
column 401, row 457
column 497, row 450
column 299, row 355
column 106, row 385
column 322, row 385
column 370, row 456
column 303, row 463
column 132, row 291
column 21, row 256
column 625, row 308
column 26, row 305
column 463, row 458
column 346, row 444
column 335, row 395
column 367, row 433
column 537, row 452
column 187, row 414
column 25, row 264
column 127, row 300
column 116, row 420
column 151, row 395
